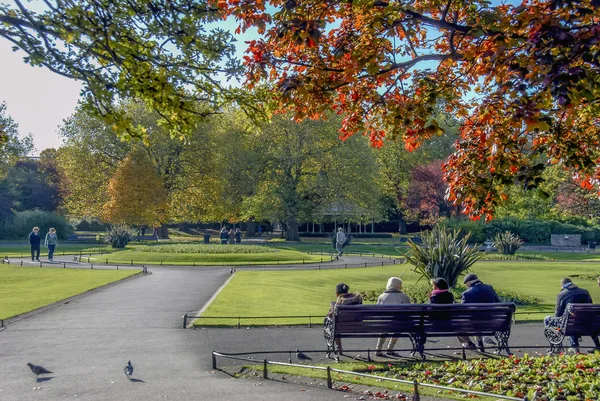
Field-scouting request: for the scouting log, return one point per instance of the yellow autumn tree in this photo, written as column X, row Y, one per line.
column 137, row 193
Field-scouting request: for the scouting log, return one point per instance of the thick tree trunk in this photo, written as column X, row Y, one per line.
column 251, row 228
column 163, row 232
column 291, row 233
column 401, row 226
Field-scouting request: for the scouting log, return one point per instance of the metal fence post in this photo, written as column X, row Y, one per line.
column 214, row 360
column 185, row 318
column 265, row 373
column 416, row 396
column 329, row 382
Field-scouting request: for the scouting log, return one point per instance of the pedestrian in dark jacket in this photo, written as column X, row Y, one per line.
column 570, row 294
column 34, row 241
column 441, row 293
column 476, row 293
column 343, row 297
column 224, row 236
column 238, row 236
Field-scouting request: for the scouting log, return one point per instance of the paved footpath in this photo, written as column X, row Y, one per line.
column 87, row 342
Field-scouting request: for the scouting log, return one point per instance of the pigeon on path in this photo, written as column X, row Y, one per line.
column 301, row 356
column 128, row 369
column 38, row 370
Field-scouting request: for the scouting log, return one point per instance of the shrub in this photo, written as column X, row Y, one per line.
column 419, row 294
column 204, row 248
column 442, row 254
column 507, row 243
column 90, row 225
column 476, row 229
column 21, row 223
column 118, row 236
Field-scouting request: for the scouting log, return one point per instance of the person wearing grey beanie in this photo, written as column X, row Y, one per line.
column 392, row 295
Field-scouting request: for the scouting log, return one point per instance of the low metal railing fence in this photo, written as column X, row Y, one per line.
column 328, row 369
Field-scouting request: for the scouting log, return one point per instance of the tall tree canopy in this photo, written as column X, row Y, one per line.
column 164, row 52
column 523, row 78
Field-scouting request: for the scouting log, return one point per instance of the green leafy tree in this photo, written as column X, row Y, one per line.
column 170, row 54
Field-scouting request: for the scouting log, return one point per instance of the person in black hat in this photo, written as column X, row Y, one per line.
column 479, row 293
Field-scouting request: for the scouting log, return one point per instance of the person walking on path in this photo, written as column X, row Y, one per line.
column 238, row 236
column 343, row 297
column 34, row 241
column 441, row 293
column 51, row 242
column 340, row 239
column 570, row 294
column 476, row 292
column 224, row 236
column 392, row 295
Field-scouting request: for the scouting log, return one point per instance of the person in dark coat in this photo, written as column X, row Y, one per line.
column 441, row 293
column 570, row 294
column 477, row 293
column 343, row 297
column 34, row 241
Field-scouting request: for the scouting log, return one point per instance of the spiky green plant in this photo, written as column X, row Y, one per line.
column 507, row 243
column 442, row 254
column 118, row 236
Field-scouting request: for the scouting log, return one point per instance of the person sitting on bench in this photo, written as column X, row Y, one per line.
column 570, row 294
column 392, row 295
column 476, row 292
column 343, row 297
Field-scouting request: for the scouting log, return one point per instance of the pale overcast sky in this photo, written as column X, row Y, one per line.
column 37, row 99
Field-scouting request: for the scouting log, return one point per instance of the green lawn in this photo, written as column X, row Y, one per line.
column 282, row 256
column 309, row 293
column 367, row 249
column 23, row 289
column 17, row 251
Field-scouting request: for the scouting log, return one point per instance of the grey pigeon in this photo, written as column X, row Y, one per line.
column 38, row 370
column 301, row 356
column 128, row 369
column 489, row 340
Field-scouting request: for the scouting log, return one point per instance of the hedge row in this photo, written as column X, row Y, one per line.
column 532, row 231
column 20, row 224
column 354, row 235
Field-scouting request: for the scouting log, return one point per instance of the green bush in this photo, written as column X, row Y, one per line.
column 476, row 229
column 443, row 254
column 21, row 223
column 419, row 294
column 118, row 236
column 204, row 248
column 531, row 231
column 91, row 225
column 507, row 243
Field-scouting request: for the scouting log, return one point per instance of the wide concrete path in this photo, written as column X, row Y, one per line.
column 88, row 341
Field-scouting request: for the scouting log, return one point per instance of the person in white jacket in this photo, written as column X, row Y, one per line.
column 392, row 295
column 340, row 239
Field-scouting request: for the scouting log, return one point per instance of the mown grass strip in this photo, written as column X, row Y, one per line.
column 23, row 289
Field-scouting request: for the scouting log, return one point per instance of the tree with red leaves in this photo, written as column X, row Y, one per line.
column 523, row 79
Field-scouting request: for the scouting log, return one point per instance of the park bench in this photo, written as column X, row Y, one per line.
column 577, row 320
column 419, row 322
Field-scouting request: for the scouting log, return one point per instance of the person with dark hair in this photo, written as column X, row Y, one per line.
column 224, row 237
column 343, row 297
column 570, row 294
column 476, row 292
column 441, row 292
column 238, row 236
column 34, row 241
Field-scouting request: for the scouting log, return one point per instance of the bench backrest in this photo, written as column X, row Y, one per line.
column 582, row 319
column 428, row 319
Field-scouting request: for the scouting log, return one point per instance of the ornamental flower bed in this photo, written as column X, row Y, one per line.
column 554, row 378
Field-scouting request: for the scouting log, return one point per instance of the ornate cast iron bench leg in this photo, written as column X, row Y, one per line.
column 555, row 338
column 502, row 340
